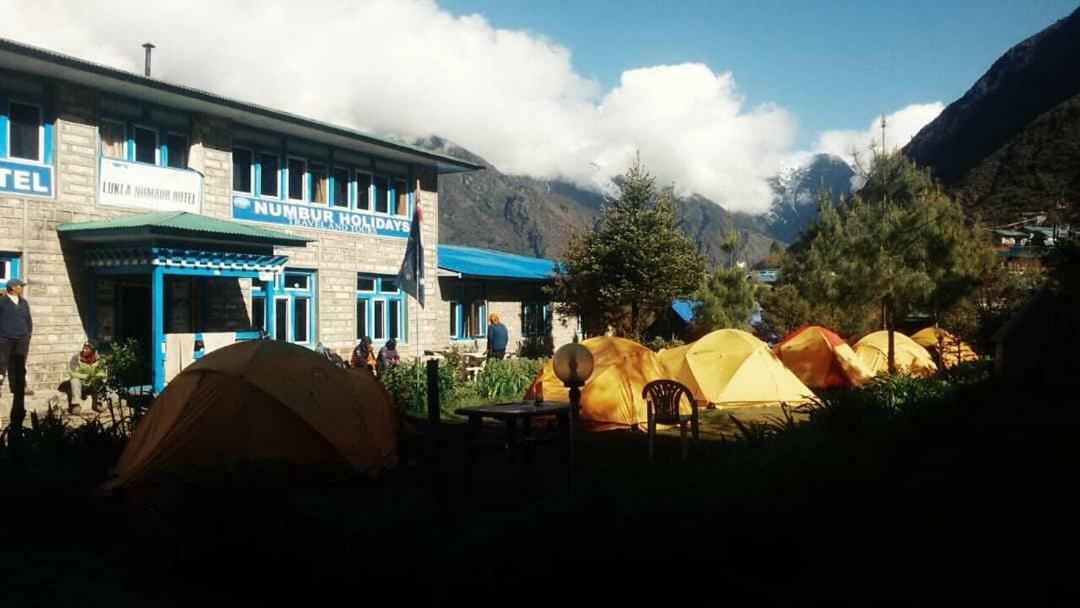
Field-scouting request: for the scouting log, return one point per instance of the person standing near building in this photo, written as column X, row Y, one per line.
column 16, row 325
column 497, row 337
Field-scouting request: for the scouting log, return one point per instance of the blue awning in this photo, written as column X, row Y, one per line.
column 474, row 262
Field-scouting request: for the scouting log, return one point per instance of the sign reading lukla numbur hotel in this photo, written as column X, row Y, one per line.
column 125, row 184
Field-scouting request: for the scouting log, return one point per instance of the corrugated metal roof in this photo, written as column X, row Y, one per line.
column 181, row 223
column 77, row 70
column 472, row 261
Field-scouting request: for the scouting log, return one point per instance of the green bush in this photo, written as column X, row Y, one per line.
column 407, row 385
column 659, row 342
column 508, row 378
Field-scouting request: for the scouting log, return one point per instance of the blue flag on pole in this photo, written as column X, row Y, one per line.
column 411, row 276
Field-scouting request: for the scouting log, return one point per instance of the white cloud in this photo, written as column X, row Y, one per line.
column 900, row 127
column 409, row 69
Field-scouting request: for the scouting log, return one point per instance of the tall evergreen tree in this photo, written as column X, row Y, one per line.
column 899, row 246
column 632, row 265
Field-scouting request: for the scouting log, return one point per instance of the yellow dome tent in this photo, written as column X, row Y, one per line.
column 911, row 358
column 612, row 395
column 732, row 367
column 821, row 359
column 953, row 349
column 262, row 402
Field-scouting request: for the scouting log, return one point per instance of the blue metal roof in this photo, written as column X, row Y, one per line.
column 475, row 262
column 684, row 308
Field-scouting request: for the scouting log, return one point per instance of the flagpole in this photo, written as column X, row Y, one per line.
column 419, row 286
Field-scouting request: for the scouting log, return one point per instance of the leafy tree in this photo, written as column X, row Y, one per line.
column 726, row 300
column 632, row 265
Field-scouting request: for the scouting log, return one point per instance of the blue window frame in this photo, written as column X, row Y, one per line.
column 9, row 266
column 143, row 133
column 26, row 124
column 380, row 308
column 285, row 307
column 468, row 317
column 535, row 319
column 273, row 171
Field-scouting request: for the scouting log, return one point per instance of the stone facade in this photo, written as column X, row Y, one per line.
column 57, row 278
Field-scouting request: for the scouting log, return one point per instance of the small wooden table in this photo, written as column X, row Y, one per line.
column 510, row 413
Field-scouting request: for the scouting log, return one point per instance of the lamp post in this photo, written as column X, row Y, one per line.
column 573, row 364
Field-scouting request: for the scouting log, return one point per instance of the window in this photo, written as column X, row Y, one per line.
column 320, row 184
column 362, row 315
column 380, row 314
column 296, row 174
column 382, row 194
column 395, row 320
column 24, row 131
column 281, row 319
column 9, row 266
column 401, row 198
column 341, row 187
column 258, row 312
column 535, row 319
column 146, row 146
column 176, row 148
column 475, row 319
column 380, row 308
column 297, row 281
column 269, row 175
column 241, row 166
column 300, row 319
column 113, row 139
column 363, row 191
column 468, row 319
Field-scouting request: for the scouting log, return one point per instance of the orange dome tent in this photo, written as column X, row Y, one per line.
column 612, row 395
column 821, row 359
column 953, row 350
column 911, row 358
column 262, row 402
column 732, row 367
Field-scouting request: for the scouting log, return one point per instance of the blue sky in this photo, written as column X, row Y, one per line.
column 834, row 65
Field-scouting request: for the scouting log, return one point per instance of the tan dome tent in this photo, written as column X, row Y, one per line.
column 821, row 359
column 953, row 349
column 732, row 367
column 612, row 395
column 911, row 358
column 259, row 403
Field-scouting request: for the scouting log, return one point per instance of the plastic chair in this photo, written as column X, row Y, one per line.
column 663, row 398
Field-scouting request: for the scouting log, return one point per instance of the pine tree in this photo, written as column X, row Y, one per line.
column 632, row 265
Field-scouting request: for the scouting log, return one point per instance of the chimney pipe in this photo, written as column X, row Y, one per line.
column 147, row 46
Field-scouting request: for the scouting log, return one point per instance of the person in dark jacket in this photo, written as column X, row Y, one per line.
column 497, row 337
column 388, row 357
column 16, row 325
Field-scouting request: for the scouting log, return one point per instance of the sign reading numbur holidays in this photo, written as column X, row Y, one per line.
column 26, row 179
column 125, row 184
column 319, row 217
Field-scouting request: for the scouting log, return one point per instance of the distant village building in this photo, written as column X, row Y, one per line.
column 139, row 209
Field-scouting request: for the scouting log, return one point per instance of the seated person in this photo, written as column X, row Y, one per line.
column 85, row 367
column 388, row 357
column 363, row 355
